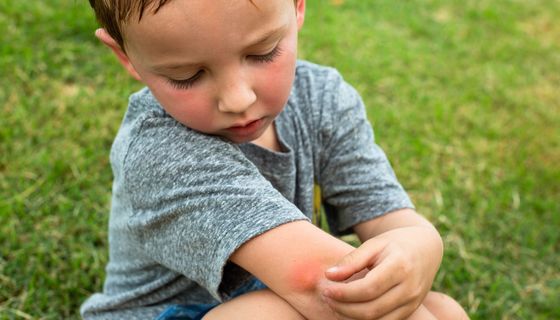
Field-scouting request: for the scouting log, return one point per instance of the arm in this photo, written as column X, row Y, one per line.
column 403, row 252
column 394, row 220
column 291, row 260
column 413, row 230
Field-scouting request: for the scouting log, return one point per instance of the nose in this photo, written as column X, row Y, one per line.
column 236, row 95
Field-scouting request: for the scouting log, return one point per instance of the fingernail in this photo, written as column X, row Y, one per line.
column 332, row 270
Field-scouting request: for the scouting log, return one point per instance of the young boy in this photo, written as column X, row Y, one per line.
column 214, row 170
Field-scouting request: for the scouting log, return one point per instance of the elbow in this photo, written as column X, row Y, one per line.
column 305, row 282
column 305, row 276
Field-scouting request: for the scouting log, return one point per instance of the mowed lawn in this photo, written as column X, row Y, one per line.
column 464, row 97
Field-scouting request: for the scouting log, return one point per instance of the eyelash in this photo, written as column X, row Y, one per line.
column 269, row 57
column 188, row 83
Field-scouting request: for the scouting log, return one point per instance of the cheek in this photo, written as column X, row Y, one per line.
column 190, row 107
column 277, row 85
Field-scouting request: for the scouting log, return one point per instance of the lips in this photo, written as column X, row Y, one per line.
column 246, row 129
column 246, row 124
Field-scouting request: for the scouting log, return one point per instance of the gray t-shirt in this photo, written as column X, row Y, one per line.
column 183, row 201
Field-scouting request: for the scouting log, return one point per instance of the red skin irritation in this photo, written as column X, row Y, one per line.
column 305, row 275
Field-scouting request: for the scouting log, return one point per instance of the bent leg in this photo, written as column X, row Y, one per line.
column 439, row 306
column 261, row 304
column 444, row 307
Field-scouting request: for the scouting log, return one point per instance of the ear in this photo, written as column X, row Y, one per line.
column 300, row 12
column 108, row 41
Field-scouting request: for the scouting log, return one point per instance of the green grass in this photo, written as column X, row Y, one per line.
column 464, row 97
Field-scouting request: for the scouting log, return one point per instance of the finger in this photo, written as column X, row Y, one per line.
column 376, row 282
column 361, row 258
column 393, row 300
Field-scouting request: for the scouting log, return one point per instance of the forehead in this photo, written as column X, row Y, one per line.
column 200, row 25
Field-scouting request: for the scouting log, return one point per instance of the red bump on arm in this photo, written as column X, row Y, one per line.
column 305, row 275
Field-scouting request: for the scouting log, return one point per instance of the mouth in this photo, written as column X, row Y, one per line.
column 243, row 125
column 246, row 128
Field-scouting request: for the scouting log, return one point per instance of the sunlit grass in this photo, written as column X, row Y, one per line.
column 463, row 97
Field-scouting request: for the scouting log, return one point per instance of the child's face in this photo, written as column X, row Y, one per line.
column 220, row 67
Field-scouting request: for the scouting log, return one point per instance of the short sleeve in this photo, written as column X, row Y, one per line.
column 356, row 178
column 195, row 199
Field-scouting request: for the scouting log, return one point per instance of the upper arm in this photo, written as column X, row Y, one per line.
column 291, row 260
column 194, row 200
column 392, row 220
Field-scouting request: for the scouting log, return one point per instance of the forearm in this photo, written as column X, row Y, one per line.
column 390, row 221
column 402, row 253
column 291, row 260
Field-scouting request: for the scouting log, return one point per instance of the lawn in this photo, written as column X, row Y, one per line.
column 464, row 97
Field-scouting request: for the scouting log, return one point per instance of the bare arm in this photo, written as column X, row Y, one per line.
column 407, row 224
column 402, row 252
column 394, row 220
column 291, row 260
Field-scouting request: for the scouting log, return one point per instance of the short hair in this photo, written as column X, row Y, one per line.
column 113, row 14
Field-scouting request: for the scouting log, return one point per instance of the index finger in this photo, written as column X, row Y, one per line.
column 376, row 282
column 360, row 258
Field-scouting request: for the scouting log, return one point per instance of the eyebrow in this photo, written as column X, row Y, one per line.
column 262, row 39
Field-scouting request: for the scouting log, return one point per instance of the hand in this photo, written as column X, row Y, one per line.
column 397, row 269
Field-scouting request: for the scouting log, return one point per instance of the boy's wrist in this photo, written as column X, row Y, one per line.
column 425, row 244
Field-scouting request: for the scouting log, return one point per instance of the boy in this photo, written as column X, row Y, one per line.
column 214, row 167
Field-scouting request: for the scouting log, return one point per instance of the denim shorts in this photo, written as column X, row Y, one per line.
column 197, row 311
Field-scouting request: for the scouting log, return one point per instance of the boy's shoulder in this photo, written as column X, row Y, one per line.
column 317, row 82
column 322, row 88
column 142, row 102
column 306, row 70
column 142, row 106
column 312, row 66
column 147, row 132
column 145, row 114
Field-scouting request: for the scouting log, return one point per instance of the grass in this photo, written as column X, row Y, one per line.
column 463, row 96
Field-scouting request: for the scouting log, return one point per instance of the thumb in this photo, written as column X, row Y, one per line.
column 356, row 261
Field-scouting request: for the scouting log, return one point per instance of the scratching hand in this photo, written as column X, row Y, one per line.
column 395, row 272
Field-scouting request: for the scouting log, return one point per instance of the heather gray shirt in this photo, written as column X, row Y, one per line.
column 183, row 201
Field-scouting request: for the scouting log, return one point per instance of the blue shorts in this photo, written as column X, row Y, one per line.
column 197, row 311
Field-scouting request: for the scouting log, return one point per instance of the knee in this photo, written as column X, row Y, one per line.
column 444, row 307
column 261, row 304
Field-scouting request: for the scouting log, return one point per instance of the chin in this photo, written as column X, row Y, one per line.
column 236, row 140
column 242, row 140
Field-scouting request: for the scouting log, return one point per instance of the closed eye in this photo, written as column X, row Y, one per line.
column 186, row 83
column 269, row 57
